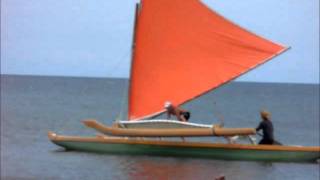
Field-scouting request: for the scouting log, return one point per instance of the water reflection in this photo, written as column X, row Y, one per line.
column 149, row 167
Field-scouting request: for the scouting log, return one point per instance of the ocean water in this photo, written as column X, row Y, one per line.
column 31, row 106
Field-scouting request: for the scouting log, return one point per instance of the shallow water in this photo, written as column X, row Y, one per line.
column 30, row 106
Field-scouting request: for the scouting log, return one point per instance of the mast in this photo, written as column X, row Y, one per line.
column 133, row 45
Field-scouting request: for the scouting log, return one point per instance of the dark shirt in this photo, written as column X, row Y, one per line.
column 267, row 129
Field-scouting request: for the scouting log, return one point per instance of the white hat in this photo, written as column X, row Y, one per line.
column 167, row 104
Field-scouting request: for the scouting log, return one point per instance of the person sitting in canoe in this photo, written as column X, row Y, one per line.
column 267, row 128
column 181, row 114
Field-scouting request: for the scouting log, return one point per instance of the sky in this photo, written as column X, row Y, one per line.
column 93, row 38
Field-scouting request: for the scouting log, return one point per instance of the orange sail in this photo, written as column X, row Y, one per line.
column 183, row 49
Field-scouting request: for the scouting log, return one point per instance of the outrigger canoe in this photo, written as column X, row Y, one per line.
column 140, row 146
column 180, row 51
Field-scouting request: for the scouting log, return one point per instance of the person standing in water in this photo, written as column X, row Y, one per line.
column 181, row 114
column 267, row 128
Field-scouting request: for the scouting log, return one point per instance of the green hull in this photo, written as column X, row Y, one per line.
column 202, row 152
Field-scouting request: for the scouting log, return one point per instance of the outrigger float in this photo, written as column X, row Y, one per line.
column 181, row 50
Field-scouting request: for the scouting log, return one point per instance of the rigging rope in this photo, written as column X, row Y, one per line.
column 120, row 60
column 218, row 114
column 124, row 96
column 123, row 101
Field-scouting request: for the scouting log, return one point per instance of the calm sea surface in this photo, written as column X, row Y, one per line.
column 30, row 106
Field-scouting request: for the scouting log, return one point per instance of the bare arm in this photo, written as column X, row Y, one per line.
column 178, row 113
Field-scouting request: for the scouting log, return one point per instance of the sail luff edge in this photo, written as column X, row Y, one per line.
column 133, row 51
